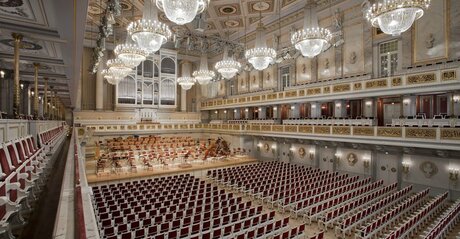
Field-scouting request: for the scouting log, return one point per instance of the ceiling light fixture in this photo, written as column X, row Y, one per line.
column 116, row 71
column 394, row 17
column 182, row 11
column 204, row 75
column 130, row 53
column 260, row 56
column 227, row 67
column 149, row 33
column 312, row 39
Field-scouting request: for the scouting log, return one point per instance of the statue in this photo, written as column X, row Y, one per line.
column 337, row 19
column 429, row 42
column 253, row 79
column 353, row 57
column 304, row 68
column 268, row 76
column 276, row 41
column 326, row 64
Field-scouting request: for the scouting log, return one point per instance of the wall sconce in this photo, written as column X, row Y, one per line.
column 453, row 174
column 293, row 107
column 368, row 103
column 225, row 111
column 259, row 145
column 32, row 93
column 311, row 154
column 273, row 148
column 275, row 108
column 456, row 98
column 22, row 86
column 405, row 167
column 2, row 74
column 366, row 161
column 234, row 111
column 260, row 109
column 337, row 157
column 313, row 106
column 215, row 112
column 246, row 110
column 338, row 105
column 406, row 102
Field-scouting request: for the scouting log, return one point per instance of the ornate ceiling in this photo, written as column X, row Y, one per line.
column 43, row 41
column 234, row 17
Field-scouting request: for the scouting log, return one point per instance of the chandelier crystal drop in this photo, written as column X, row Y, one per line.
column 312, row 39
column 111, row 77
column 227, row 67
column 130, row 53
column 149, row 33
column 182, row 11
column 260, row 56
column 204, row 75
column 394, row 17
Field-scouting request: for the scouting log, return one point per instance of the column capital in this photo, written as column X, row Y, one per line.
column 17, row 36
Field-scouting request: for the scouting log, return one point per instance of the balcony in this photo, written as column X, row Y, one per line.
column 438, row 80
column 435, row 138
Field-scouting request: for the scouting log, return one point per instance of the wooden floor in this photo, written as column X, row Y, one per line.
column 158, row 171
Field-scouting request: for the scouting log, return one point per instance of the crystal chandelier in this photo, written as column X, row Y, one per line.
column 260, row 56
column 312, row 39
column 116, row 71
column 227, row 67
column 182, row 11
column 204, row 76
column 186, row 82
column 149, row 33
column 131, row 54
column 394, row 17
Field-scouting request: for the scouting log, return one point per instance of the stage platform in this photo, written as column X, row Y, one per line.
column 161, row 170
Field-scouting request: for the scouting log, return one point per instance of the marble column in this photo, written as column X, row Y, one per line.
column 45, row 100
column 100, row 86
column 36, row 66
column 17, row 90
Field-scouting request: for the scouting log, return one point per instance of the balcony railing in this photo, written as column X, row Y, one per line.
column 445, row 138
column 447, row 78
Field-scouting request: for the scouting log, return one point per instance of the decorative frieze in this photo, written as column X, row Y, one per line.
column 327, row 89
column 305, row 129
column 341, row 130
column 450, row 134
column 421, row 79
column 376, row 84
column 358, row 86
column 314, row 91
column 448, row 75
column 363, row 131
column 322, row 130
column 289, row 94
column 255, row 98
column 236, row 127
column 396, row 81
column 265, row 128
column 389, row 132
column 290, row 128
column 341, row 88
column 255, row 127
column 272, row 96
column 420, row 133
column 301, row 92
column 277, row 128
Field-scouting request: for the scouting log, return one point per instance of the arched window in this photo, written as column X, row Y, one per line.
column 148, row 68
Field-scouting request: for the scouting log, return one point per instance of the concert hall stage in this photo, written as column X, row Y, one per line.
column 162, row 170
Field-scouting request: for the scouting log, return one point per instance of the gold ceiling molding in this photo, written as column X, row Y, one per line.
column 421, row 79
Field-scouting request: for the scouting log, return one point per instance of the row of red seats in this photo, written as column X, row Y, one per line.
column 392, row 215
column 24, row 168
column 312, row 213
column 300, row 207
column 445, row 223
column 358, row 217
column 410, row 225
column 329, row 217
